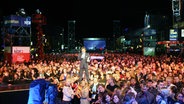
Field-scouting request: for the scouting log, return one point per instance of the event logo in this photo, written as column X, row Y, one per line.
column 18, row 51
column 27, row 22
column 11, row 22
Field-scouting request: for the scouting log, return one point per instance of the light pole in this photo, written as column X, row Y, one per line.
column 62, row 39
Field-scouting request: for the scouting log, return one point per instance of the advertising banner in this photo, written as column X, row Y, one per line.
column 17, row 21
column 12, row 20
column 25, row 21
column 173, row 34
column 20, row 54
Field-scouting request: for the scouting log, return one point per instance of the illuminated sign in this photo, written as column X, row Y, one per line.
column 14, row 20
column 182, row 32
column 173, row 34
column 149, row 51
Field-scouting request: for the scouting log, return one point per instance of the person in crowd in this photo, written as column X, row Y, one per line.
column 99, row 99
column 144, row 96
column 182, row 90
column 161, row 97
column 129, row 98
column 177, row 82
column 179, row 98
column 134, row 84
column 123, row 85
column 111, row 85
column 34, row 73
column 37, row 90
column 118, row 92
column 77, row 90
column 106, row 99
column 68, row 92
column 84, row 59
column 6, row 78
column 84, row 97
column 127, row 90
column 171, row 99
column 93, row 88
column 16, row 79
column 101, row 91
column 60, row 93
column 169, row 83
column 116, row 99
column 52, row 92
column 151, row 87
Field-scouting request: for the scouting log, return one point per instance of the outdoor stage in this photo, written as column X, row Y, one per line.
column 14, row 94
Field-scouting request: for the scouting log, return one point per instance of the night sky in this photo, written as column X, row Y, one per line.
column 93, row 17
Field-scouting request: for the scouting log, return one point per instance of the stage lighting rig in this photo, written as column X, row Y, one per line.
column 38, row 11
column 21, row 12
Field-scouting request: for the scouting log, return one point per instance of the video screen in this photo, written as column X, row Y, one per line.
column 173, row 34
column 149, row 51
column 94, row 43
column 182, row 32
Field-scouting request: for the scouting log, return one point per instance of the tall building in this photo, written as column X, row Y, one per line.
column 71, row 35
column 178, row 18
column 156, row 29
column 157, row 25
column 176, row 8
column 116, row 32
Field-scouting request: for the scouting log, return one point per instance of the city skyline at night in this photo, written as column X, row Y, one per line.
column 92, row 17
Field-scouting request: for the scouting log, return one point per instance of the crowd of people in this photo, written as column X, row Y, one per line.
column 117, row 78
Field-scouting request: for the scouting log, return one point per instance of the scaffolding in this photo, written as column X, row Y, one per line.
column 16, row 34
column 16, row 30
column 39, row 20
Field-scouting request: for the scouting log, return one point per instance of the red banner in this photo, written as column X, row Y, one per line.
column 20, row 54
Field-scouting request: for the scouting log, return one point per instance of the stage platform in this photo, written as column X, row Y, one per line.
column 14, row 94
column 12, row 88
